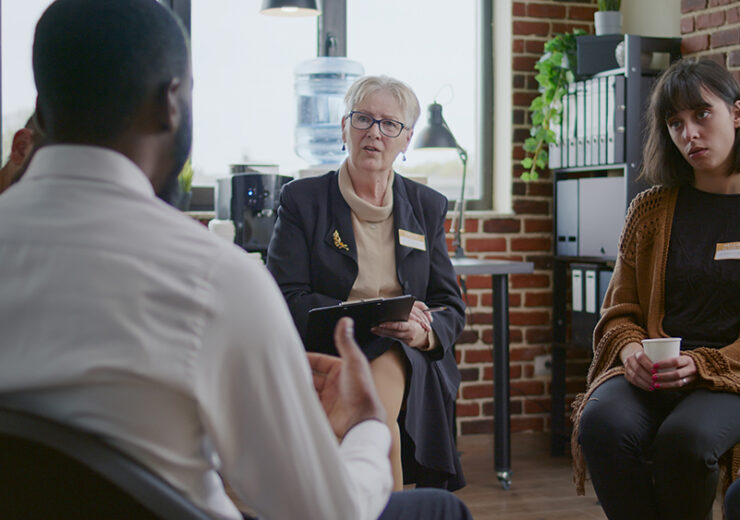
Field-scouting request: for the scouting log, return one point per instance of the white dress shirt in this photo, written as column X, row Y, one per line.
column 124, row 317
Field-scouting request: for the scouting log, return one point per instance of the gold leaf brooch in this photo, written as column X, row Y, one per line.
column 338, row 241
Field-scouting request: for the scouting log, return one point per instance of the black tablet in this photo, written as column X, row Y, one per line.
column 366, row 315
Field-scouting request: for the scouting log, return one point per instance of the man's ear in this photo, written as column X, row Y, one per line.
column 168, row 105
column 22, row 146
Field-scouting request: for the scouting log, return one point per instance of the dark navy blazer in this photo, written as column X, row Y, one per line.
column 312, row 271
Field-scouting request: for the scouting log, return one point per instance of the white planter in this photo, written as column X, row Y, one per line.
column 607, row 22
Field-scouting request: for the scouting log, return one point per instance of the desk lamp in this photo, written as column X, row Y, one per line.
column 438, row 135
column 290, row 8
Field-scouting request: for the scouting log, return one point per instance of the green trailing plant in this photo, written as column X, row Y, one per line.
column 609, row 5
column 555, row 69
column 185, row 177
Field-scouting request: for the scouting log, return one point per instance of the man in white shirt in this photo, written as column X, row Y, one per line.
column 123, row 317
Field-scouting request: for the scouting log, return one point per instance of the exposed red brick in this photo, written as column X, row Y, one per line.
column 692, row 5
column 562, row 28
column 531, row 207
column 515, row 300
column 577, row 369
column 467, row 409
column 502, row 225
column 471, row 300
column 529, row 370
column 520, row 134
column 477, row 391
column 476, row 427
column 517, row 153
column 469, row 374
column 524, row 99
column 515, row 372
column 526, row 353
column 535, row 46
column 733, row 15
column 585, row 14
column 539, row 225
column 532, row 83
column 522, row 28
column 687, row 24
column 527, row 387
column 541, row 335
column 725, row 38
column 479, row 281
column 534, row 405
column 540, row 261
column 736, row 75
column 515, row 408
column 719, row 57
column 467, row 337
column 517, row 46
column 530, row 244
column 708, row 20
column 518, row 116
column 545, row 11
column 486, row 244
column 692, row 44
column 478, row 356
column 519, row 9
column 529, row 318
column 519, row 188
column 537, row 299
column 520, row 281
column 518, row 81
column 715, row 3
column 478, row 318
column 515, row 336
column 540, row 189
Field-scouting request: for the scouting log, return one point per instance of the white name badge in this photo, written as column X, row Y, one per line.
column 727, row 251
column 413, row 240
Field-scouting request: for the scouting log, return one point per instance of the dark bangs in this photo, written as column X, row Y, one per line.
column 681, row 94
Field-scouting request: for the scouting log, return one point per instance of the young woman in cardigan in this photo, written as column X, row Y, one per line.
column 654, row 434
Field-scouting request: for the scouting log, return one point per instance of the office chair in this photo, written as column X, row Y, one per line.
column 49, row 470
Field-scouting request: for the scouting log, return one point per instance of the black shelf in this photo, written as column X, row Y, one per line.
column 637, row 83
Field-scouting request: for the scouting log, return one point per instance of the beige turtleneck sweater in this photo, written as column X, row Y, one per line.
column 376, row 252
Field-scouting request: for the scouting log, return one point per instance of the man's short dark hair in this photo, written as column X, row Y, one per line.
column 96, row 61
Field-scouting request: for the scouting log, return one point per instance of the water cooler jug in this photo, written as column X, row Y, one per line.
column 320, row 86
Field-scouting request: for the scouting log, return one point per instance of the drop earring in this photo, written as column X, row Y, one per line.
column 403, row 154
column 344, row 148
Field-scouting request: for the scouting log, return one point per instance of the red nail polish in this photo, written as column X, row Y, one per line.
column 655, row 377
column 655, row 366
column 656, row 385
column 651, row 388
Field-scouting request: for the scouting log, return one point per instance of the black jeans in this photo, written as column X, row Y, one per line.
column 732, row 501
column 654, row 455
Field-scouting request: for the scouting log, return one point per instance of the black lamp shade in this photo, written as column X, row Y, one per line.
column 290, row 8
column 436, row 134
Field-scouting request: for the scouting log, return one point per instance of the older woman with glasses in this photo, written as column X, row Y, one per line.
column 365, row 232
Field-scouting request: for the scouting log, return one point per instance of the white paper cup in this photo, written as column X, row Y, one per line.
column 660, row 349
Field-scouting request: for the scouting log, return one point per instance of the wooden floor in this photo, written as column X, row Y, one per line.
column 542, row 486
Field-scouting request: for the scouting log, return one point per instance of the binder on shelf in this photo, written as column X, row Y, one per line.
column 615, row 120
column 603, row 119
column 572, row 108
column 580, row 123
column 591, row 281
column 566, row 217
column 595, row 121
column 588, row 124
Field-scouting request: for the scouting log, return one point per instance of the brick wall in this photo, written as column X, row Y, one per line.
column 712, row 28
column 525, row 235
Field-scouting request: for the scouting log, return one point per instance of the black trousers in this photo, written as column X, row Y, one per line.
column 422, row 504
column 654, row 455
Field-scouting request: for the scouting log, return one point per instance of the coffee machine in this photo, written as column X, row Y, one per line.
column 250, row 201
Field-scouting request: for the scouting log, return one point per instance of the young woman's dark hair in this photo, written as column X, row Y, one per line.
column 680, row 88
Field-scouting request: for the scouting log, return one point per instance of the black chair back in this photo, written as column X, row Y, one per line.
column 49, row 470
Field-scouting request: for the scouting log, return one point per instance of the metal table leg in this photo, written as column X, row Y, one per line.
column 502, row 424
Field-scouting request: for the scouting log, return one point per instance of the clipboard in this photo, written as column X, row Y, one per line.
column 366, row 315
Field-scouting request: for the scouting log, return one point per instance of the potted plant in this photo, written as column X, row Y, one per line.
column 608, row 19
column 185, row 181
column 555, row 70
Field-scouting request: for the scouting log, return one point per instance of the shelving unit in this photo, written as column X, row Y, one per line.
column 599, row 195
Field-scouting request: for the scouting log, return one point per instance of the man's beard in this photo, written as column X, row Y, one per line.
column 170, row 192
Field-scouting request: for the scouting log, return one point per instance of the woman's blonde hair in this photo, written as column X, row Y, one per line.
column 367, row 85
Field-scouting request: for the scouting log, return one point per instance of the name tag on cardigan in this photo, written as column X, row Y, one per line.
column 413, row 240
column 727, row 251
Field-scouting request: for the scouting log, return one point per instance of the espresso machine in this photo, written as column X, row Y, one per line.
column 250, row 200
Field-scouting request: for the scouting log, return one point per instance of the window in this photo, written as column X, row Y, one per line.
column 18, row 88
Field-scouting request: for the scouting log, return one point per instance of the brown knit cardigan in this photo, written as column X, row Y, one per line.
column 633, row 310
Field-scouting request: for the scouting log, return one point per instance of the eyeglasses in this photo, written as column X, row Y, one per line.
column 363, row 121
